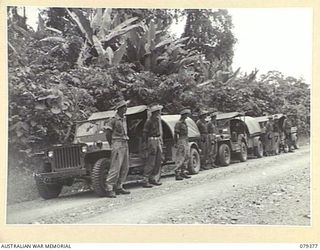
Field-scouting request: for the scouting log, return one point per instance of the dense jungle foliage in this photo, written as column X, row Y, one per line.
column 82, row 60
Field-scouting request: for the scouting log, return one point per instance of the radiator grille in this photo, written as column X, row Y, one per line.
column 67, row 157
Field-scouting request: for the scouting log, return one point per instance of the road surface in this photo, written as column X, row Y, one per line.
column 269, row 191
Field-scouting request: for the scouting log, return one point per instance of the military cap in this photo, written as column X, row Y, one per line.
column 270, row 117
column 185, row 111
column 156, row 108
column 121, row 104
column 275, row 116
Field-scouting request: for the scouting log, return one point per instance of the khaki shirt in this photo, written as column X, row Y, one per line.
column 118, row 126
column 202, row 126
column 212, row 128
column 181, row 128
column 152, row 128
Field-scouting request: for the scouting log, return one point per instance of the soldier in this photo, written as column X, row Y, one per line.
column 213, row 145
column 204, row 139
column 269, row 136
column 276, row 134
column 152, row 132
column 118, row 138
column 287, row 132
column 182, row 145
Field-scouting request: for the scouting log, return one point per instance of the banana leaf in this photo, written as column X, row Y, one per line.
column 118, row 54
column 54, row 30
column 83, row 23
column 98, row 46
column 110, row 55
column 97, row 20
column 106, row 23
column 54, row 39
column 116, row 33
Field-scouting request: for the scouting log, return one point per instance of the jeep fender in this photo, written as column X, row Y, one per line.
column 194, row 145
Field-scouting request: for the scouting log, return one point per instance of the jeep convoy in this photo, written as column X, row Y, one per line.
column 88, row 157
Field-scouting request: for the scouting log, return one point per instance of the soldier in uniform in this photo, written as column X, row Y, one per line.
column 287, row 132
column 182, row 145
column 269, row 136
column 204, row 139
column 153, row 141
column 213, row 144
column 118, row 138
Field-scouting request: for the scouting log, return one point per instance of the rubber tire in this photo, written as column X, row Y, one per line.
column 194, row 166
column 98, row 176
column 224, row 161
column 243, row 155
column 258, row 150
column 47, row 191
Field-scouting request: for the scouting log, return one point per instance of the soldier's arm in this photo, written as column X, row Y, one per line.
column 176, row 133
column 108, row 129
column 145, row 131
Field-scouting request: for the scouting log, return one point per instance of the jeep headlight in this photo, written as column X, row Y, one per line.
column 84, row 149
column 50, row 154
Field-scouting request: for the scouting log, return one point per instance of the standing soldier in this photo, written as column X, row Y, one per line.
column 118, row 138
column 204, row 139
column 287, row 132
column 153, row 141
column 276, row 134
column 213, row 145
column 269, row 136
column 182, row 144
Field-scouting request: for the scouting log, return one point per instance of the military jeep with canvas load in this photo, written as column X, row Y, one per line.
column 88, row 157
column 238, row 136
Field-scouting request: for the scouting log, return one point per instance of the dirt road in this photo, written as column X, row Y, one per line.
column 270, row 190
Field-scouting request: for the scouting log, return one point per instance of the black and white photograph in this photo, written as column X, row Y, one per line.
column 153, row 116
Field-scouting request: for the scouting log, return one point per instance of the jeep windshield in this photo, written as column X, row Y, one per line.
column 88, row 128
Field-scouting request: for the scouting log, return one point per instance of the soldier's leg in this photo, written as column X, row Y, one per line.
column 207, row 154
column 290, row 143
column 113, row 174
column 124, row 167
column 148, row 167
column 156, row 171
column 214, row 151
column 202, row 145
column 184, row 168
column 179, row 161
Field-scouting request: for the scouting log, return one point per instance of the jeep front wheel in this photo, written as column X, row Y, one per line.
column 224, row 155
column 47, row 190
column 98, row 176
column 194, row 163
